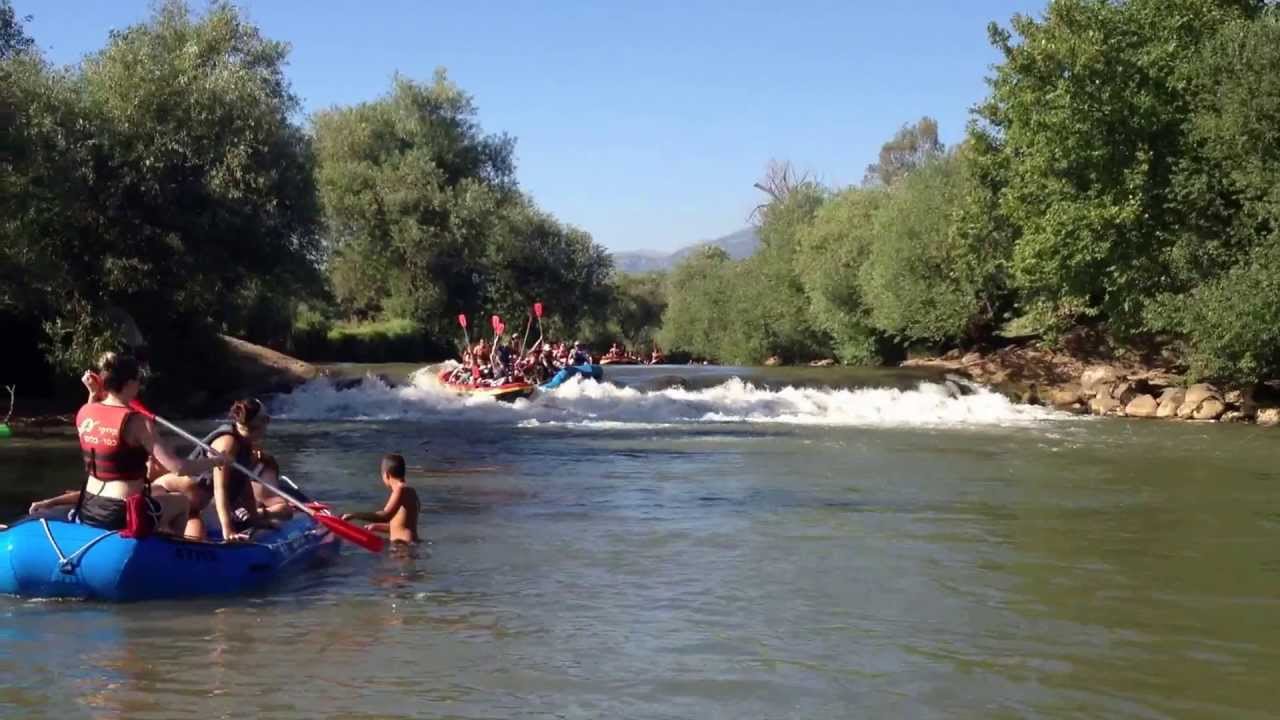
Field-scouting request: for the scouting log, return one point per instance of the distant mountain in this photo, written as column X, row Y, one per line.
column 739, row 245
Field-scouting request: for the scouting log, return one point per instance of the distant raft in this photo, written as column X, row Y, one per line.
column 54, row 558
column 506, row 392
column 595, row 372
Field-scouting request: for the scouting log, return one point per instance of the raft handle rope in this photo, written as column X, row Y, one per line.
column 67, row 564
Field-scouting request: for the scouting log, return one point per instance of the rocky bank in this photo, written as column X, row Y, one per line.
column 1119, row 384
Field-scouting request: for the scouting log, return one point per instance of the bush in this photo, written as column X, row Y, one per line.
column 1232, row 324
column 396, row 340
column 914, row 281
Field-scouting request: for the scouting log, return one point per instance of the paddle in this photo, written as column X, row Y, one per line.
column 524, row 339
column 537, row 311
column 466, row 336
column 343, row 529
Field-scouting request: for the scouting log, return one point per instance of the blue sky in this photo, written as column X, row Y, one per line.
column 644, row 123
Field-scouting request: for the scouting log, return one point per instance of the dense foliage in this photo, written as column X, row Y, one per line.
column 1123, row 172
column 167, row 185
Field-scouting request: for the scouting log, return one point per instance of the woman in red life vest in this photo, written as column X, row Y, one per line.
column 116, row 442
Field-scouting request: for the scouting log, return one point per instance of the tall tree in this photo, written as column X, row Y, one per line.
column 911, row 148
column 13, row 39
column 1089, row 115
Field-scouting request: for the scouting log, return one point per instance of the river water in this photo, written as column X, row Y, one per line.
column 767, row 548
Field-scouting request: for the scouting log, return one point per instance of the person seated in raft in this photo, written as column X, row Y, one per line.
column 116, row 443
column 232, row 489
column 481, row 352
column 399, row 517
column 656, row 357
column 270, row 505
column 579, row 355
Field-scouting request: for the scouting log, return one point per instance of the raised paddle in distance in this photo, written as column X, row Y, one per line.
column 537, row 312
column 462, row 320
column 343, row 529
column 524, row 339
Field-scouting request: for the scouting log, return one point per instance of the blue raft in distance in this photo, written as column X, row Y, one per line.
column 54, row 558
column 595, row 372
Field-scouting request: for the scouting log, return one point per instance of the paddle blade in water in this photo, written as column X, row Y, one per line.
column 537, row 310
column 345, row 530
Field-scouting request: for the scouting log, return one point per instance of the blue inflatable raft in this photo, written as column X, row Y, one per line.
column 595, row 372
column 54, row 558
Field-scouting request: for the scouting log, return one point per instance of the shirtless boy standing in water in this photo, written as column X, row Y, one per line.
column 399, row 518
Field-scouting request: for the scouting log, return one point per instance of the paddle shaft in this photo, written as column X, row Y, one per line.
column 524, row 339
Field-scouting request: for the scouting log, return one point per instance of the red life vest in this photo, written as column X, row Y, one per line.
column 106, row 457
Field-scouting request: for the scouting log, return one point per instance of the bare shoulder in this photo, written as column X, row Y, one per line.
column 137, row 428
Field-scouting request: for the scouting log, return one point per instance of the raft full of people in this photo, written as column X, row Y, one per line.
column 148, row 522
column 508, row 369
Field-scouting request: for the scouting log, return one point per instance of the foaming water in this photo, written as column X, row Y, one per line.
column 603, row 405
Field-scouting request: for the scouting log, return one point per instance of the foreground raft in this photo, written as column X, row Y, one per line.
column 53, row 558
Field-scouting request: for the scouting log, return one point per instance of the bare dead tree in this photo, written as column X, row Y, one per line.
column 12, row 393
column 780, row 180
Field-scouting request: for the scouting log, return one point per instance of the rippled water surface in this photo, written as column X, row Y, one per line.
column 729, row 549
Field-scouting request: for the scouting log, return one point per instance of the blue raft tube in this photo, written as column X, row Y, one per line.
column 593, row 371
column 44, row 557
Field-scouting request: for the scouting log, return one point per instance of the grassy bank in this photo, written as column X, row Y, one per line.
column 395, row 340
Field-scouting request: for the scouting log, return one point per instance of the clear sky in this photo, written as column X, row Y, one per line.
column 643, row 122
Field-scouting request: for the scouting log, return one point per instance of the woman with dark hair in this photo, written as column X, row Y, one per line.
column 116, row 442
column 233, row 495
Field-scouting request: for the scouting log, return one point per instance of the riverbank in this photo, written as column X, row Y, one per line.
column 251, row 370
column 1089, row 377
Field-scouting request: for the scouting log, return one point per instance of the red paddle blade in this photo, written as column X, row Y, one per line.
column 496, row 322
column 345, row 530
column 462, row 320
column 537, row 310
column 137, row 406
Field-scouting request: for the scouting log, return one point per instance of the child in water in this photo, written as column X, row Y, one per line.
column 399, row 518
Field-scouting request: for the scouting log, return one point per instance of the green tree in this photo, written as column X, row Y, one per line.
column 411, row 191
column 698, row 304
column 1088, row 111
column 833, row 249
column 1227, row 252
column 771, row 313
column 920, row 279
column 424, row 219
column 161, row 177
column 911, row 148
column 13, row 39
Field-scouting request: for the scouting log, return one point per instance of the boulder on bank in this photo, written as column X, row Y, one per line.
column 1095, row 377
column 1124, row 392
column 1065, row 396
column 773, row 361
column 1210, row 409
column 1196, row 396
column 1104, row 405
column 1200, row 392
column 1268, row 417
column 823, row 363
column 1141, row 406
column 1170, row 400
